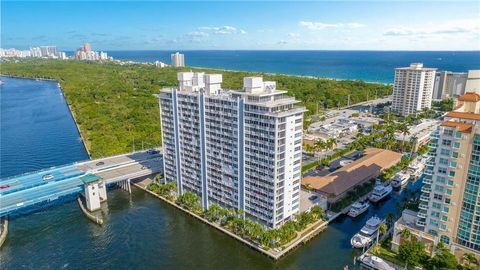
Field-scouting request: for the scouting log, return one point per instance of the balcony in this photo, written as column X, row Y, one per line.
column 423, row 206
column 420, row 223
column 422, row 215
column 426, row 189
column 424, row 198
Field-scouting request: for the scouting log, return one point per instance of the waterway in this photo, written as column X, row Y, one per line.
column 140, row 232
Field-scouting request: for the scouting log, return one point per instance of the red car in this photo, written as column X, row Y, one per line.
column 4, row 186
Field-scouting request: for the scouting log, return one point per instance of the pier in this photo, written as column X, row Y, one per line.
column 18, row 193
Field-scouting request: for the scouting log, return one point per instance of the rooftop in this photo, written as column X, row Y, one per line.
column 367, row 167
column 462, row 127
column 470, row 97
column 89, row 178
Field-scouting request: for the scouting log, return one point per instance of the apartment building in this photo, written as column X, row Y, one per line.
column 454, row 84
column 450, row 202
column 413, row 89
column 239, row 149
column 178, row 59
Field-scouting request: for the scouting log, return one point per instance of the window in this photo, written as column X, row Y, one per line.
column 443, row 161
column 451, row 173
column 447, row 200
column 442, row 170
column 455, row 154
column 456, row 145
column 449, row 191
column 437, row 196
column 441, row 179
column 445, row 209
column 453, row 164
column 450, row 182
column 445, row 239
column 458, row 135
column 445, row 152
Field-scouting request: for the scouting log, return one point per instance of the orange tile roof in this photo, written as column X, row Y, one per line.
column 462, row 127
column 463, row 115
column 342, row 180
column 470, row 97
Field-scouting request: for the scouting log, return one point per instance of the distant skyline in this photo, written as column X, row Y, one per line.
column 353, row 25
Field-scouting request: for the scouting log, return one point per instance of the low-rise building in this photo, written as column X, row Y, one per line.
column 419, row 133
column 335, row 185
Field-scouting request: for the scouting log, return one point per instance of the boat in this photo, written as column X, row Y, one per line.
column 47, row 177
column 368, row 232
column 374, row 262
column 416, row 170
column 380, row 192
column 358, row 208
column 400, row 179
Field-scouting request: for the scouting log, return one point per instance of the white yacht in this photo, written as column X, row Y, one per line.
column 374, row 262
column 416, row 170
column 366, row 235
column 358, row 208
column 380, row 192
column 400, row 179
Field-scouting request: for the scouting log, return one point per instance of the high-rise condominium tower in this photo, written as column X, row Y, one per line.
column 412, row 90
column 178, row 60
column 450, row 202
column 238, row 149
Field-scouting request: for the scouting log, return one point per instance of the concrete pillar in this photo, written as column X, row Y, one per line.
column 92, row 196
column 102, row 191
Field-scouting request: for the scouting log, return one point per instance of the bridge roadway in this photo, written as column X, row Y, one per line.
column 23, row 191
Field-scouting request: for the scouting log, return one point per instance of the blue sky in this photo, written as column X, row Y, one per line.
column 333, row 25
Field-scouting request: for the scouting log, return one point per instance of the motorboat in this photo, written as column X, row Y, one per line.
column 400, row 179
column 416, row 170
column 358, row 208
column 374, row 262
column 380, row 192
column 47, row 177
column 368, row 232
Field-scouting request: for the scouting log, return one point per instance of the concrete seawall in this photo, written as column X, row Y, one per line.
column 87, row 213
column 302, row 237
column 4, row 231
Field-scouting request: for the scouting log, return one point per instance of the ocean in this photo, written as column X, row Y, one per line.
column 372, row 66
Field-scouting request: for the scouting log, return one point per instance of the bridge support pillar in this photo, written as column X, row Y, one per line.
column 125, row 185
column 92, row 196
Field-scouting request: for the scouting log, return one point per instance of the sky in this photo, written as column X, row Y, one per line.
column 230, row 25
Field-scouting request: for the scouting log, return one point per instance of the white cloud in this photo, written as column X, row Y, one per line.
column 222, row 30
column 197, row 34
column 322, row 26
column 282, row 42
column 465, row 26
column 293, row 35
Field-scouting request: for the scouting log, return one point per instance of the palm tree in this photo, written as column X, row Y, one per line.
column 382, row 229
column 390, row 218
column 405, row 233
column 403, row 128
column 469, row 259
column 413, row 142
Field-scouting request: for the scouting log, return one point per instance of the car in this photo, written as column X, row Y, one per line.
column 4, row 186
column 152, row 151
column 47, row 177
column 100, row 163
column 313, row 197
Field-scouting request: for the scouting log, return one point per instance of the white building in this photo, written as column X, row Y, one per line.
column 178, row 60
column 159, row 64
column 473, row 81
column 413, row 88
column 238, row 149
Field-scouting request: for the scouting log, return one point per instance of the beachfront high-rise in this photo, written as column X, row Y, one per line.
column 454, row 84
column 178, row 59
column 238, row 149
column 413, row 88
column 450, row 202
